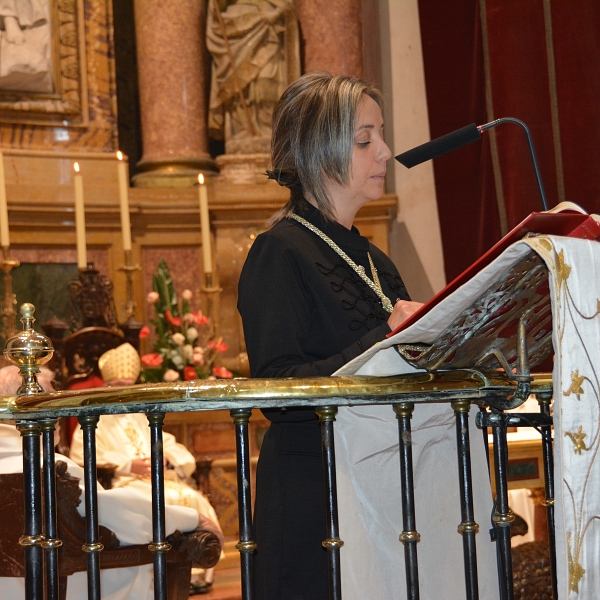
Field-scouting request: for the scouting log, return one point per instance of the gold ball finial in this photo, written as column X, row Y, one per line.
column 28, row 350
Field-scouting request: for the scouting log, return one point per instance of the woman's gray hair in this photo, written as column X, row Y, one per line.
column 313, row 137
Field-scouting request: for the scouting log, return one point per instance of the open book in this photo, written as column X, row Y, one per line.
column 566, row 219
column 473, row 321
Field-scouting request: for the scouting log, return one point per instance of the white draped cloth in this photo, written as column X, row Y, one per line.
column 126, row 512
column 368, row 468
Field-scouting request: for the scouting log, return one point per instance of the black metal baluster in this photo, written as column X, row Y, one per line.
column 92, row 546
column 32, row 497
column 548, row 455
column 159, row 545
column 409, row 536
column 333, row 543
column 51, row 542
column 246, row 545
column 468, row 528
column 503, row 516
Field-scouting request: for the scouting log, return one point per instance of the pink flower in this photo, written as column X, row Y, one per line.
column 189, row 318
column 189, row 373
column 170, row 375
column 152, row 297
column 198, row 358
column 144, row 332
column 175, row 321
column 187, row 295
column 152, row 360
column 217, row 345
column 222, row 372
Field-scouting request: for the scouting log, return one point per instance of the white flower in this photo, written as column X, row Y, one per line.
column 178, row 338
column 187, row 294
column 152, row 297
column 192, row 334
column 188, row 318
column 188, row 351
column 177, row 360
column 170, row 375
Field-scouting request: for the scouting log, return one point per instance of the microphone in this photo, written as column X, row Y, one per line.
column 462, row 137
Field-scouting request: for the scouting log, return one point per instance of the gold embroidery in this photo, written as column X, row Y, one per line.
column 576, row 381
column 576, row 571
column 563, row 270
column 131, row 431
column 545, row 243
column 577, row 439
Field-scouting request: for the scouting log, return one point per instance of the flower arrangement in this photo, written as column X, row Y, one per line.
column 182, row 350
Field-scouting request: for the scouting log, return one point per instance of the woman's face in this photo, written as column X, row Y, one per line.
column 369, row 156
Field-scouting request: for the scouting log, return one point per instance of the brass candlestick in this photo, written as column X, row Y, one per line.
column 129, row 268
column 9, row 313
column 212, row 293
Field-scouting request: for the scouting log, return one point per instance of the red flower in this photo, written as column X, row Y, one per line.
column 217, row 345
column 152, row 360
column 175, row 321
column 222, row 372
column 189, row 373
column 199, row 318
column 144, row 332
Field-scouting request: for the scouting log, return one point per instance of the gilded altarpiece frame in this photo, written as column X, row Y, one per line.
column 64, row 100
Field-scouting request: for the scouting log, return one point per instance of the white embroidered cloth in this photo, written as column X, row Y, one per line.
column 367, row 449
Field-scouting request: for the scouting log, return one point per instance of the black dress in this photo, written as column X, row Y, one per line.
column 305, row 312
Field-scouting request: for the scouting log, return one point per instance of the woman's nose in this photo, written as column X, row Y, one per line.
column 384, row 152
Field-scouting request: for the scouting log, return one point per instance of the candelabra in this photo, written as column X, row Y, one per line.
column 131, row 327
column 129, row 268
column 8, row 306
column 212, row 294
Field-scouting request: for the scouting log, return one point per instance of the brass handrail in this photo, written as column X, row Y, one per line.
column 442, row 386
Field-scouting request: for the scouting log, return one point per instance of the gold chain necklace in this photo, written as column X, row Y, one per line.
column 360, row 270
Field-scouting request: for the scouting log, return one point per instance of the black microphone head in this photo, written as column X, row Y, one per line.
column 442, row 145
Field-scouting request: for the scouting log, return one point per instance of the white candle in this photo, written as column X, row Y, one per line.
column 79, row 218
column 4, row 237
column 204, row 225
column 124, row 200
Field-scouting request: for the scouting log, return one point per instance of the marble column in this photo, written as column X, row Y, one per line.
column 332, row 34
column 172, row 71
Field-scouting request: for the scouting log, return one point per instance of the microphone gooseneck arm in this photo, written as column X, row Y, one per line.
column 462, row 137
column 532, row 153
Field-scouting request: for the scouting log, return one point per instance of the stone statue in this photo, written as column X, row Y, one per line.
column 254, row 48
column 25, row 46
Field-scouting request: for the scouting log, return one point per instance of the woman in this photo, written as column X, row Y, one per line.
column 313, row 294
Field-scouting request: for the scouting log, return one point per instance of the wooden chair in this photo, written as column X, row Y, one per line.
column 199, row 548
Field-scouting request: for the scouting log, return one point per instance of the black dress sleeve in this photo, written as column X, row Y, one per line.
column 275, row 301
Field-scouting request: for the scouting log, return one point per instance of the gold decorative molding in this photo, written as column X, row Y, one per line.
column 67, row 103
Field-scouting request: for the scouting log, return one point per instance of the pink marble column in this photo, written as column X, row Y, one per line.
column 172, row 71
column 332, row 33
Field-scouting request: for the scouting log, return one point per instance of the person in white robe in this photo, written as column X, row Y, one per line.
column 126, row 512
column 124, row 441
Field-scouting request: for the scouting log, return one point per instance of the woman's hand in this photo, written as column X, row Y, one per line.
column 402, row 310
